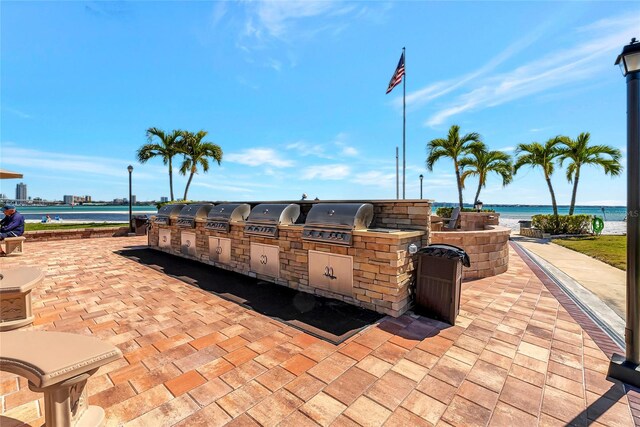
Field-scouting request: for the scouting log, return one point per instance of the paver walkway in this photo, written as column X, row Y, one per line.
column 516, row 358
column 605, row 281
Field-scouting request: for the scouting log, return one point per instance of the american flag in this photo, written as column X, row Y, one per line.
column 397, row 76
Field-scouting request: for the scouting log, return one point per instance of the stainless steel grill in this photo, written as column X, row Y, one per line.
column 334, row 222
column 265, row 218
column 221, row 215
column 190, row 213
column 168, row 213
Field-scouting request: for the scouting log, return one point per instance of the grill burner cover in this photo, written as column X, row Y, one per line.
column 265, row 218
column 334, row 222
column 190, row 213
column 221, row 215
column 166, row 212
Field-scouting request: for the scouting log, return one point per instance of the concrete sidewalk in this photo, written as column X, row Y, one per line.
column 600, row 288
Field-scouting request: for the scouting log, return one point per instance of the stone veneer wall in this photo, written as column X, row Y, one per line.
column 478, row 220
column 383, row 268
column 488, row 249
column 80, row 233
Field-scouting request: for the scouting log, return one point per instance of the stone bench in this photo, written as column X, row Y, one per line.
column 58, row 364
column 14, row 244
column 15, row 296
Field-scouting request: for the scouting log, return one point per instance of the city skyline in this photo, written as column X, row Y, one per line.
column 295, row 95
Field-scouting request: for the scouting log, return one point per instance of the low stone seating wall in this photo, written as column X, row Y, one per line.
column 13, row 245
column 79, row 233
column 531, row 232
column 488, row 249
column 58, row 364
column 15, row 296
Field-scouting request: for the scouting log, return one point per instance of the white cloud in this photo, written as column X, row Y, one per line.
column 306, row 149
column 349, row 151
column 258, row 157
column 507, row 149
column 438, row 89
column 223, row 187
column 377, row 179
column 558, row 68
column 67, row 164
column 20, row 114
column 345, row 149
column 326, row 172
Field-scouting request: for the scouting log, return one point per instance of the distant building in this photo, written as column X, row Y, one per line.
column 3, row 196
column 68, row 200
column 21, row 191
column 133, row 199
column 164, row 199
column 87, row 198
column 119, row 201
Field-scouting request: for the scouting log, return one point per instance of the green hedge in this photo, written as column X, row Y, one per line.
column 446, row 211
column 175, row 202
column 562, row 224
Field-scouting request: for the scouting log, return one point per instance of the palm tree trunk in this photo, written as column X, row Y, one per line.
column 186, row 189
column 553, row 197
column 475, row 202
column 575, row 191
column 459, row 184
column 171, row 179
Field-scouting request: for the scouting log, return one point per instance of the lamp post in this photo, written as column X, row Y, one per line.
column 130, row 169
column 478, row 206
column 626, row 368
column 421, row 178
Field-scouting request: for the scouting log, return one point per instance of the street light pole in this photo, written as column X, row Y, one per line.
column 130, row 169
column 421, row 178
column 626, row 368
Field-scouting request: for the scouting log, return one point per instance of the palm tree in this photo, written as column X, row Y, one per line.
column 168, row 147
column 453, row 147
column 196, row 153
column 536, row 154
column 579, row 153
column 481, row 162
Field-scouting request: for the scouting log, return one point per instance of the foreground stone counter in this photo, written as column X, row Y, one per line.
column 381, row 264
column 488, row 249
column 376, row 272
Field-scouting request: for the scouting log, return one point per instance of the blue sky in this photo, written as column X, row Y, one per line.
column 294, row 93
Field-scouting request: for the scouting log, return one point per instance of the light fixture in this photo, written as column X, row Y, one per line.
column 629, row 59
column 478, row 206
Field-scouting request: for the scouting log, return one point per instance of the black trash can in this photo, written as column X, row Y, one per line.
column 439, row 280
column 140, row 225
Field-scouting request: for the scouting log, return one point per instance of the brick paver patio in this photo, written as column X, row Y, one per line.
column 516, row 358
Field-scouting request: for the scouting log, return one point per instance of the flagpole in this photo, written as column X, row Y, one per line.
column 404, row 124
column 397, row 176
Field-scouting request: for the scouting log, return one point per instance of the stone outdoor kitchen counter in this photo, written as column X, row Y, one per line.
column 374, row 272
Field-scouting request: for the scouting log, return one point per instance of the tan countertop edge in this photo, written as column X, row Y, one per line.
column 394, row 236
column 398, row 235
column 489, row 229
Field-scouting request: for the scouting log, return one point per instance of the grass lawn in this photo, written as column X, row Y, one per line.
column 30, row 226
column 609, row 249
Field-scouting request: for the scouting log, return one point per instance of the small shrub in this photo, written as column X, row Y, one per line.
column 446, row 211
column 175, row 202
column 563, row 224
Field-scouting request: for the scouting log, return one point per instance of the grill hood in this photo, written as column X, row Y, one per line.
column 334, row 223
column 352, row 216
column 265, row 218
column 221, row 215
column 167, row 212
column 190, row 213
